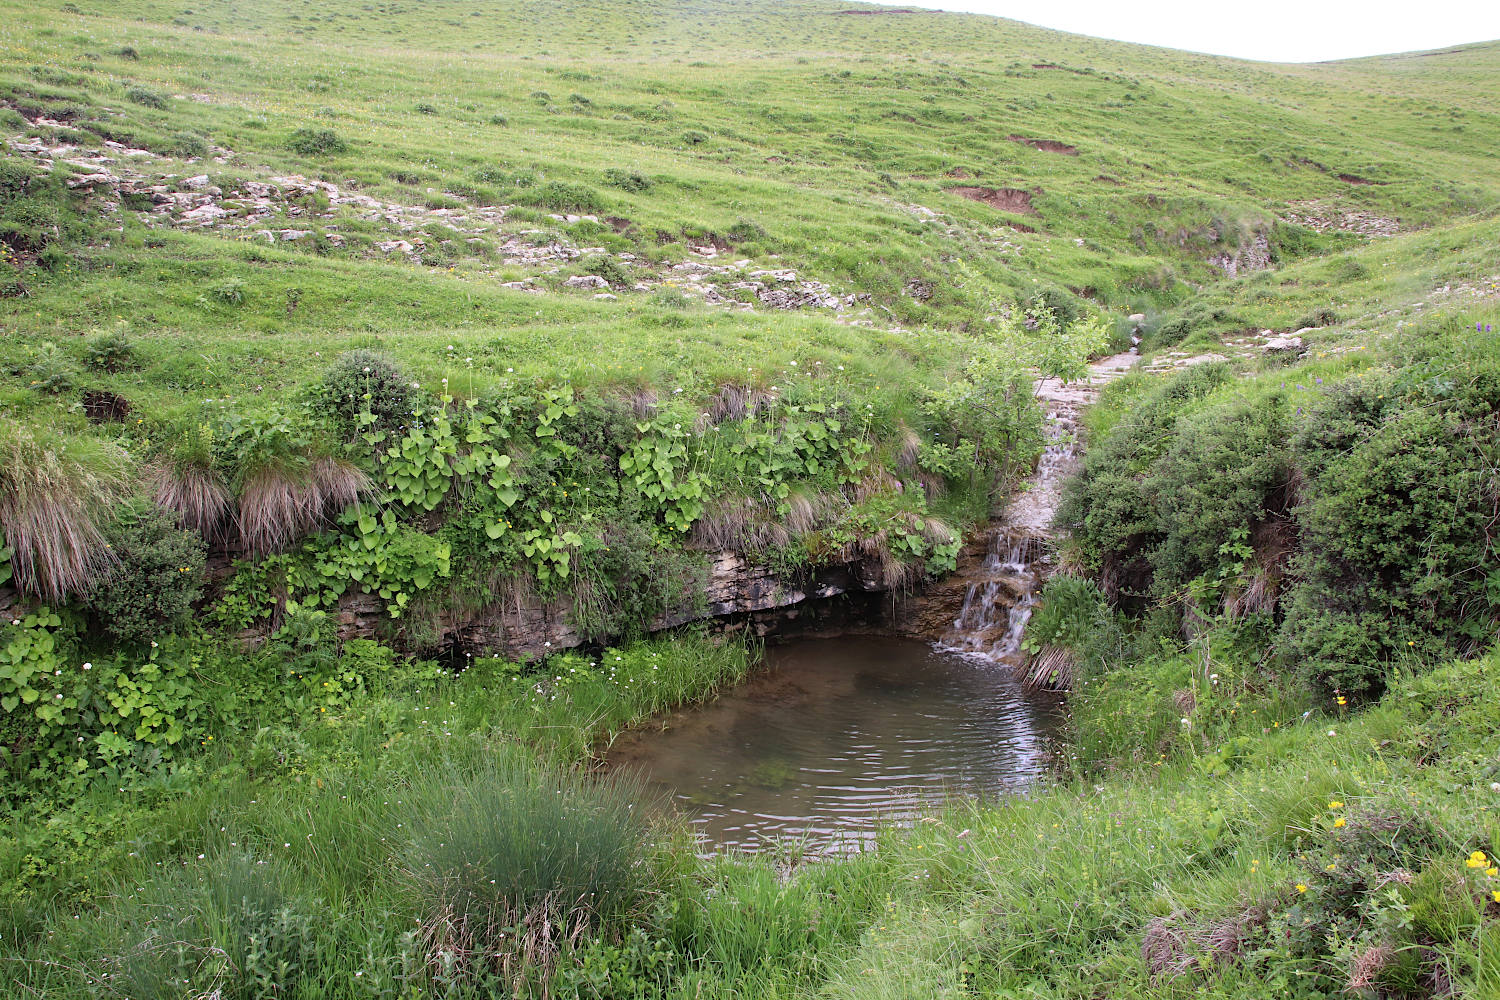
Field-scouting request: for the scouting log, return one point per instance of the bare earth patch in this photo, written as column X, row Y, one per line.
column 1005, row 199
column 1047, row 145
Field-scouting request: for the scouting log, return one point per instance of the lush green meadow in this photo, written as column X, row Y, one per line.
column 455, row 305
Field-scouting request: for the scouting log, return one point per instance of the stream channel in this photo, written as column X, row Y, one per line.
column 839, row 736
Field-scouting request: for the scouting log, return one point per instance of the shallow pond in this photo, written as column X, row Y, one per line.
column 838, row 736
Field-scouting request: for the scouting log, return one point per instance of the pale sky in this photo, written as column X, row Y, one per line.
column 1274, row 30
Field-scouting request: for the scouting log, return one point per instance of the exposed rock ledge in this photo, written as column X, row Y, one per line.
column 735, row 589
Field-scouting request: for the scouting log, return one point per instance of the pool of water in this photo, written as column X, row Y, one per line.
column 838, row 736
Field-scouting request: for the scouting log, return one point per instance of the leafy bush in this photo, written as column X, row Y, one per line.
column 609, row 268
column 1397, row 557
column 51, row 370
column 146, row 98
column 627, row 180
column 1357, row 511
column 155, row 581
column 316, row 142
column 366, row 382
column 187, row 145
column 625, row 577
column 1060, row 302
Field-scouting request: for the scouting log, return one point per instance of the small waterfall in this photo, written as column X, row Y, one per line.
column 1000, row 590
column 1000, row 595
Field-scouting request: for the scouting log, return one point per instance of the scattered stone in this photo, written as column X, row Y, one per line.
column 291, row 235
column 206, row 214
column 606, row 296
column 586, row 281
column 98, row 179
column 1284, row 345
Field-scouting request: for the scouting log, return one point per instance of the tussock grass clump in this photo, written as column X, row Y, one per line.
column 195, row 493
column 285, row 497
column 55, row 499
column 513, row 860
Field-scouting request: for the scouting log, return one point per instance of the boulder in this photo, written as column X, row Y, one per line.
column 1283, row 345
column 586, row 281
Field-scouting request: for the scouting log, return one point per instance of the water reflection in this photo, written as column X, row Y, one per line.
column 839, row 735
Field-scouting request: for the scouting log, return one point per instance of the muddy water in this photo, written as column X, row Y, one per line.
column 840, row 735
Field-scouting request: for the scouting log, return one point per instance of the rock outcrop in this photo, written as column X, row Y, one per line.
column 737, row 591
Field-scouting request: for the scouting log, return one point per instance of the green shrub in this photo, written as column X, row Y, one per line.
column 627, row 180
column 146, row 98
column 111, row 352
column 51, row 370
column 609, row 268
column 155, row 581
column 562, row 196
column 625, row 577
column 187, row 145
column 361, row 382
column 1060, row 302
column 316, row 141
column 1397, row 559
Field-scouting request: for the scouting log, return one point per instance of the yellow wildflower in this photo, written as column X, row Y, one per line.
column 1301, row 887
column 1339, row 822
column 1478, row 860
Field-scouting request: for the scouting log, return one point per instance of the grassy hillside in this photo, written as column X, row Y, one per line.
column 459, row 304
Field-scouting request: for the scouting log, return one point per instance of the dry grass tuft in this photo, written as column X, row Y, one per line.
column 806, row 513
column 1055, row 668
column 878, row 482
column 1367, row 967
column 1173, row 945
column 283, row 500
column 739, row 524
column 196, row 494
column 55, row 500
column 736, row 402
column 910, row 450
column 642, row 404
column 517, row 946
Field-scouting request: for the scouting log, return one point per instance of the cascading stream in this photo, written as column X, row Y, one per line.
column 1002, row 591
